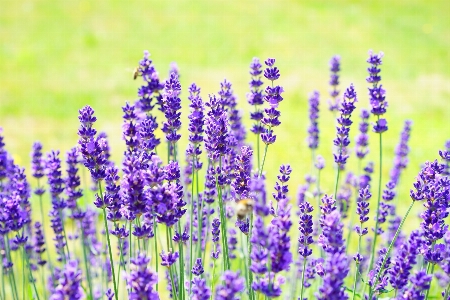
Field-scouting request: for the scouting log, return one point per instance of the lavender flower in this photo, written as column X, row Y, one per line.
column 217, row 136
column 37, row 165
column 233, row 284
column 362, row 140
column 215, row 238
column 273, row 97
column 169, row 258
column 362, row 209
column 142, row 279
column 377, row 94
column 39, row 244
column 313, row 129
column 420, row 283
column 342, row 140
column 151, row 89
column 197, row 269
column 335, row 67
column 172, row 105
column 90, row 147
column 401, row 153
column 432, row 187
column 404, row 261
column 72, row 181
column 336, row 265
column 200, row 290
column 306, row 229
column 255, row 97
column 379, row 280
column 69, row 283
column 242, row 173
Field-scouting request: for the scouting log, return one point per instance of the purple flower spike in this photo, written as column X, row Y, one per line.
column 255, row 97
column 377, row 95
column 420, row 283
column 401, row 153
column 313, row 129
column 168, row 259
column 200, row 290
column 335, row 67
column 342, row 139
column 39, row 243
column 171, row 107
column 362, row 140
column 306, row 229
column 242, row 173
column 142, row 279
column 69, row 283
column 90, row 148
column 197, row 269
column 233, row 284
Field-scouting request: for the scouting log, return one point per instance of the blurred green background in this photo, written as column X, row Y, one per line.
column 57, row 56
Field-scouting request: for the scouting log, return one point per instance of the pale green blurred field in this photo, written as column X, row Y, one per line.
column 57, row 56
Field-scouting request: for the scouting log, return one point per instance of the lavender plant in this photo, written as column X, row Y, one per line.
column 164, row 232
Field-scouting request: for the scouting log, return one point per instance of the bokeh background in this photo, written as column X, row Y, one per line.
column 57, row 56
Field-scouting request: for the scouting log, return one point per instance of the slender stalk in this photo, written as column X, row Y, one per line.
column 180, row 249
column 431, row 273
column 226, row 259
column 264, row 160
column 174, row 294
column 249, row 259
column 447, row 290
column 12, row 277
column 377, row 278
column 303, row 277
column 245, row 264
column 26, row 258
column 156, row 248
column 191, row 227
column 355, row 279
column 3, row 281
column 88, row 273
column 116, row 296
column 352, row 219
column 213, row 274
column 337, row 181
column 372, row 257
column 23, row 272
column 318, row 196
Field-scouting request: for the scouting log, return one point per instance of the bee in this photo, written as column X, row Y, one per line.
column 244, row 207
column 135, row 73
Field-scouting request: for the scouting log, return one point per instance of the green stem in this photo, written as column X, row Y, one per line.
column 25, row 256
column 431, row 273
column 191, row 227
column 12, row 277
column 372, row 257
column 356, row 268
column 156, row 249
column 303, row 277
column 116, row 296
column 174, row 291
column 213, row 274
column 180, row 249
column 337, row 181
column 264, row 160
column 390, row 247
column 88, row 273
column 249, row 259
column 3, row 282
column 447, row 290
column 352, row 219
